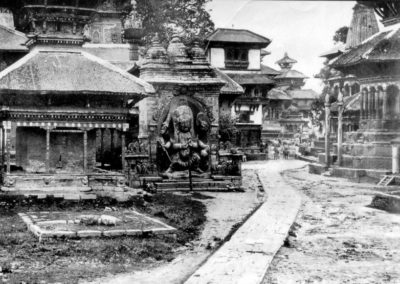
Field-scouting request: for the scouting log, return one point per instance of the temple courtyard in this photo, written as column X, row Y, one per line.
column 316, row 229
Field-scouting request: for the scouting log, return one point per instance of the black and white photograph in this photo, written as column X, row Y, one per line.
column 199, row 142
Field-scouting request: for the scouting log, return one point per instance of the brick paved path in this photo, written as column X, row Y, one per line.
column 245, row 258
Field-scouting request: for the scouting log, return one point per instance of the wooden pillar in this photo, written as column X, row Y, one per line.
column 85, row 156
column 47, row 150
column 102, row 146
column 123, row 151
column 384, row 105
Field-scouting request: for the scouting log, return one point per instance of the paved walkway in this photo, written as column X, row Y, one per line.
column 246, row 257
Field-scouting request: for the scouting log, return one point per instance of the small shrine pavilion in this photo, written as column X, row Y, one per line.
column 57, row 101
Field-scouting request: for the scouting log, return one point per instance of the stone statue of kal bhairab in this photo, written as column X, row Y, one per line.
column 184, row 149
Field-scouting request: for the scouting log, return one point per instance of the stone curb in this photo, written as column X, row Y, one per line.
column 246, row 257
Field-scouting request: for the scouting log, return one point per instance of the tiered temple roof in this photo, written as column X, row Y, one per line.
column 69, row 71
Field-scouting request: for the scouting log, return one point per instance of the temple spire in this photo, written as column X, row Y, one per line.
column 363, row 25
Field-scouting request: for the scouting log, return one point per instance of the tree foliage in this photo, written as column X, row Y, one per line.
column 227, row 128
column 341, row 35
column 189, row 18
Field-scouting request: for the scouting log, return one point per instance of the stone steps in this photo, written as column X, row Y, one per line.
column 46, row 189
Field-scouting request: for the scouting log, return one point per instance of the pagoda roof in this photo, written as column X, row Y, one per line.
column 12, row 40
column 381, row 47
column 291, row 74
column 230, row 87
column 251, row 79
column 286, row 60
column 237, row 36
column 69, row 71
column 269, row 71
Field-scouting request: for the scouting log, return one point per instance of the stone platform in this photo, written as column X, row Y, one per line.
column 69, row 186
column 92, row 224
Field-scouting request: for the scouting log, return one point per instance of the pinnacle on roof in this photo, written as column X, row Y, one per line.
column 177, row 50
column 363, row 25
column 197, row 53
column 156, row 50
column 286, row 62
column 388, row 10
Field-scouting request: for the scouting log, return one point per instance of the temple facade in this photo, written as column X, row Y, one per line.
column 56, row 105
column 374, row 62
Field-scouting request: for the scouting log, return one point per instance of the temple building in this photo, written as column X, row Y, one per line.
column 375, row 63
column 238, row 54
column 287, row 112
column 363, row 25
column 56, row 103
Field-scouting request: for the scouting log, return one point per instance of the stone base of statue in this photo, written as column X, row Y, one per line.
column 185, row 175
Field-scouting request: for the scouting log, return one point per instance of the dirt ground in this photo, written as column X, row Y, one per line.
column 224, row 212
column 336, row 237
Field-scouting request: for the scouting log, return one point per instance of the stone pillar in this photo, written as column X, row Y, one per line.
column 123, row 151
column 371, row 105
column 376, row 105
column 395, row 158
column 384, row 105
column 340, row 129
column 8, row 145
column 85, row 156
column 102, row 146
column 362, row 110
column 327, row 130
column 3, row 148
column 47, row 150
column 367, row 105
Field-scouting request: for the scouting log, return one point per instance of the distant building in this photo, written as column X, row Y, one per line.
column 287, row 112
column 238, row 54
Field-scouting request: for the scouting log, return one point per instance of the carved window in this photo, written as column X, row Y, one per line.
column 236, row 58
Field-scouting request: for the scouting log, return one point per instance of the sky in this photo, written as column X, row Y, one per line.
column 304, row 29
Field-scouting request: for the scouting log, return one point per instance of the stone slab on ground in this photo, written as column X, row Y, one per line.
column 71, row 224
column 246, row 256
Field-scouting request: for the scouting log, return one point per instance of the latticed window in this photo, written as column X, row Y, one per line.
column 236, row 58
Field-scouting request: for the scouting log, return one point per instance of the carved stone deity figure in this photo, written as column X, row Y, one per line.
column 184, row 149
